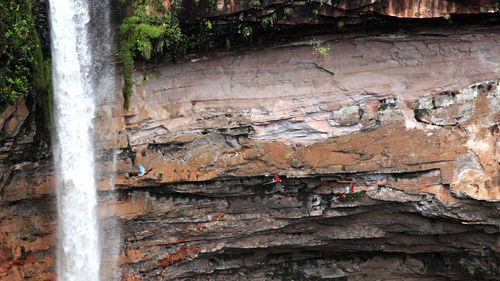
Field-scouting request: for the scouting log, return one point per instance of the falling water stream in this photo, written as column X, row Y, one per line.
column 78, row 251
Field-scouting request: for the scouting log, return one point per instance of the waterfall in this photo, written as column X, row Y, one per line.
column 78, row 251
column 107, row 94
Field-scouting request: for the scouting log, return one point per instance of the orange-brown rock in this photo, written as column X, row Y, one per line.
column 410, row 118
column 304, row 114
column 314, row 12
column 13, row 118
column 403, row 117
column 27, row 204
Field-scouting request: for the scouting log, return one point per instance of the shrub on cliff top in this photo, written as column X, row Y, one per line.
column 16, row 50
column 22, row 65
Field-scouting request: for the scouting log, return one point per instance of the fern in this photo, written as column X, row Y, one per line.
column 147, row 34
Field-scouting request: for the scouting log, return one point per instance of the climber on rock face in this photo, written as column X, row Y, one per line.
column 275, row 180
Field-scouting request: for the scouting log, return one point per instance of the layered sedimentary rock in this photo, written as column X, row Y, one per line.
column 402, row 117
column 385, row 104
column 410, row 118
column 328, row 11
column 27, row 202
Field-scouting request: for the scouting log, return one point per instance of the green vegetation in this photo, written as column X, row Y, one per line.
column 16, row 50
column 256, row 4
column 482, row 267
column 246, row 31
column 151, row 30
column 211, row 4
column 42, row 84
column 321, row 50
column 353, row 196
column 154, row 31
column 268, row 21
column 25, row 72
column 23, row 69
column 288, row 11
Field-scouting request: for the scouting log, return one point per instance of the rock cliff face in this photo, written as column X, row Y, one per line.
column 402, row 117
column 27, row 202
column 410, row 118
column 331, row 11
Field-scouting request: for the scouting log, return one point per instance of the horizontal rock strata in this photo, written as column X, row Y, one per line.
column 402, row 117
column 411, row 119
column 373, row 105
column 328, row 11
column 241, row 230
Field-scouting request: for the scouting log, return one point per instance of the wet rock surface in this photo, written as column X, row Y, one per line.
column 27, row 203
column 410, row 119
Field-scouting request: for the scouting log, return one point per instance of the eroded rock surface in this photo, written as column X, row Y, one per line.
column 402, row 117
column 411, row 119
column 328, row 11
column 364, row 108
column 27, row 203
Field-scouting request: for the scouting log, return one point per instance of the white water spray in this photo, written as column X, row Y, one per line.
column 106, row 95
column 78, row 253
